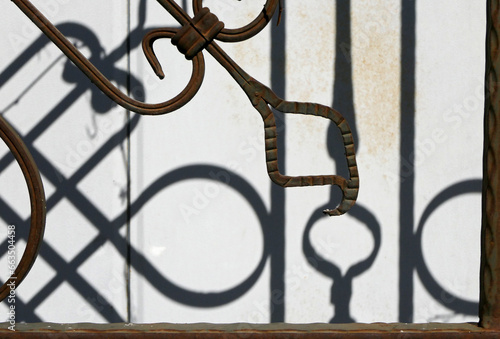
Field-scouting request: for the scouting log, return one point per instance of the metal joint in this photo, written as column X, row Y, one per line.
column 193, row 38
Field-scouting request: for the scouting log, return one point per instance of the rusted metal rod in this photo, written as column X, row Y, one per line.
column 489, row 303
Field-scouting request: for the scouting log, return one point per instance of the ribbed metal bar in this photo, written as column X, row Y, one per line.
column 490, row 257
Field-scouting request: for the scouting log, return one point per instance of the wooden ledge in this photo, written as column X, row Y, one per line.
column 241, row 330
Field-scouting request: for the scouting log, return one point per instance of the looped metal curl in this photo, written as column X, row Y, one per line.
column 264, row 98
column 147, row 47
column 248, row 31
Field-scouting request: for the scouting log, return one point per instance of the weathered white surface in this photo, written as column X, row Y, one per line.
column 201, row 236
column 450, row 108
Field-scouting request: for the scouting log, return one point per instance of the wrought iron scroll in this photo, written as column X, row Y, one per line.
column 195, row 35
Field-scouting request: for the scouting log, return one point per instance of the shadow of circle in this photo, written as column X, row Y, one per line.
column 445, row 298
column 172, row 290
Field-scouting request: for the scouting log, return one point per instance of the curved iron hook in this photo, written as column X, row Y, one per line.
column 250, row 30
column 147, row 47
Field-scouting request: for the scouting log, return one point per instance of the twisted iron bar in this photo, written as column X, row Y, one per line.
column 195, row 35
column 489, row 302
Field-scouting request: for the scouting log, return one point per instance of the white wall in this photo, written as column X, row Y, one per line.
column 202, row 250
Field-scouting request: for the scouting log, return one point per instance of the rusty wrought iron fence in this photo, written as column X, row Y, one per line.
column 197, row 34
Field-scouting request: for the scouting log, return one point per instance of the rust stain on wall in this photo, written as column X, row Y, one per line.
column 310, row 58
column 376, row 75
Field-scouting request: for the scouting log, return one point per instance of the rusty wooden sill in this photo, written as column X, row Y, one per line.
column 244, row 331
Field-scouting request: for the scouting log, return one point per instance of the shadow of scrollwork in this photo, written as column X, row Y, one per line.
column 170, row 289
column 343, row 101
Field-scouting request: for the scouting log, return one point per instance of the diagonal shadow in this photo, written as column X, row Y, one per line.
column 101, row 103
column 108, row 230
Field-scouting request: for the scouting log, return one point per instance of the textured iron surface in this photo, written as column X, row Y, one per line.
column 490, row 263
